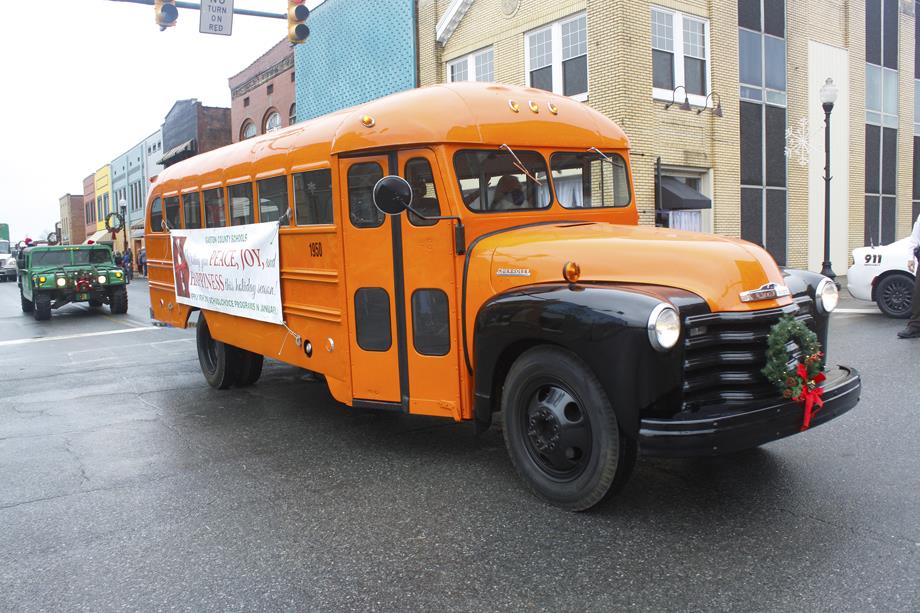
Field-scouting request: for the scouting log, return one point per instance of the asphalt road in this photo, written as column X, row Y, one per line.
column 127, row 483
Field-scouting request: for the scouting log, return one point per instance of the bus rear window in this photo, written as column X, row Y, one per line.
column 156, row 214
column 588, row 180
column 491, row 180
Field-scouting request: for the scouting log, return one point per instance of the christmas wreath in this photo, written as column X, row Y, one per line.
column 797, row 374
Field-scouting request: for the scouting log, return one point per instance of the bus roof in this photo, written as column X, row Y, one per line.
column 468, row 113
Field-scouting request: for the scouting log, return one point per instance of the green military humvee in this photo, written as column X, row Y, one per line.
column 50, row 277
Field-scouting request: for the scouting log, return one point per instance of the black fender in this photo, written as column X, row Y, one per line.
column 604, row 324
column 803, row 283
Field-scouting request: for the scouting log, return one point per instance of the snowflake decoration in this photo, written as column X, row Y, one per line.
column 797, row 142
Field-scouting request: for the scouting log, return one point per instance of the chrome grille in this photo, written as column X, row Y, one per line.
column 725, row 352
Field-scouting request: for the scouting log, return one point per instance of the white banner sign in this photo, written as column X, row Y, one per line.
column 233, row 270
column 216, row 17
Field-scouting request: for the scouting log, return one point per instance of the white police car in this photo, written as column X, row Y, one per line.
column 884, row 275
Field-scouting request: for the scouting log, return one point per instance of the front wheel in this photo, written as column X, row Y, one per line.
column 118, row 301
column 27, row 305
column 893, row 295
column 561, row 431
column 218, row 360
column 42, row 307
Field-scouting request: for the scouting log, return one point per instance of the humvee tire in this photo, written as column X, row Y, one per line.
column 42, row 307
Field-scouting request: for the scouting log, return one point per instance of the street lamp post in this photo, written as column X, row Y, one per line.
column 828, row 96
column 123, row 205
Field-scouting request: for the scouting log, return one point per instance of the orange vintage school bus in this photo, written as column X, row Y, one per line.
column 465, row 249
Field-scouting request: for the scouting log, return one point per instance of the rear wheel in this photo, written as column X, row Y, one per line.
column 42, row 307
column 893, row 295
column 561, row 431
column 248, row 367
column 118, row 301
column 218, row 360
column 27, row 305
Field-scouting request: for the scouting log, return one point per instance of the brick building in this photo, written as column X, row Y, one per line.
column 73, row 221
column 748, row 70
column 191, row 128
column 262, row 95
column 89, row 205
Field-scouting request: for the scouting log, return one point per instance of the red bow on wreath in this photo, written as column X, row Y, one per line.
column 811, row 394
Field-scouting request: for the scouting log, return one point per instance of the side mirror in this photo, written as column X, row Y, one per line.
column 392, row 195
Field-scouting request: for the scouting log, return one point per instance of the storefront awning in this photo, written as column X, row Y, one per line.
column 678, row 196
column 137, row 233
column 99, row 236
column 178, row 153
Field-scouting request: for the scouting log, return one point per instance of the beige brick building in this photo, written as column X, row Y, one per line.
column 760, row 62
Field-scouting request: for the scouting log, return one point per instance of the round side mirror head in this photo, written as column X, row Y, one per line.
column 392, row 195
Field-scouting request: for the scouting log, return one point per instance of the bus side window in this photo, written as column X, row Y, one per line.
column 240, row 204
column 273, row 198
column 191, row 205
column 156, row 214
column 361, row 181
column 424, row 195
column 171, row 211
column 313, row 197
column 214, row 208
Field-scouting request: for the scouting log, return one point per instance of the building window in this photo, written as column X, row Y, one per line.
column 762, row 76
column 245, row 101
column 881, row 156
column 270, row 89
column 272, row 121
column 248, row 130
column 680, row 55
column 292, row 116
column 556, row 57
column 292, row 76
column 477, row 66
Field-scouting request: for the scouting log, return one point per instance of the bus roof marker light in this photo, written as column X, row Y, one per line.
column 553, row 108
column 514, row 106
column 571, row 272
column 368, row 122
column 533, row 106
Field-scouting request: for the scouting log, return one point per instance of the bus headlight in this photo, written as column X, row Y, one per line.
column 61, row 282
column 826, row 295
column 101, row 279
column 663, row 327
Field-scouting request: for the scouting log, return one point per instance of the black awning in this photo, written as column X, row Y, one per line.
column 678, row 196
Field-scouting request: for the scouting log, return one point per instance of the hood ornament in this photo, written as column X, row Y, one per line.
column 767, row 291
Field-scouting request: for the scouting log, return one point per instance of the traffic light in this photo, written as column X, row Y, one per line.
column 166, row 13
column 297, row 15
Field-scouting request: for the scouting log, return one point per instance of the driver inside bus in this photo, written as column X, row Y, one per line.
column 508, row 195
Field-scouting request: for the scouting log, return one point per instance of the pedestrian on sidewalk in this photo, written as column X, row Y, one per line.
column 142, row 261
column 128, row 264
column 913, row 325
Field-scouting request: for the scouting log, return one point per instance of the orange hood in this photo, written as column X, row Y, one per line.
column 715, row 268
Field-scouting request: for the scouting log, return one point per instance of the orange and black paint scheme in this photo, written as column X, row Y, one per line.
column 518, row 281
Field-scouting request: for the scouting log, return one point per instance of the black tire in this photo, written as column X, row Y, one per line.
column 561, row 431
column 27, row 305
column 218, row 360
column 42, row 307
column 248, row 367
column 95, row 302
column 893, row 295
column 118, row 301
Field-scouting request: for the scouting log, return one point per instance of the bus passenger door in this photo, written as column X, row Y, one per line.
column 429, row 258
column 373, row 308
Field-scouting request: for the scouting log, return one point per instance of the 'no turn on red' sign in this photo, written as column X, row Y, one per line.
column 216, row 17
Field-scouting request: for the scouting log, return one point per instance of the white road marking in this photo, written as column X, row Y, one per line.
column 867, row 311
column 42, row 339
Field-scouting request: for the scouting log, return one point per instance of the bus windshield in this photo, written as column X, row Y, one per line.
column 492, row 180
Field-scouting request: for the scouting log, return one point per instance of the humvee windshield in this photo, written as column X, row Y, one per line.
column 66, row 258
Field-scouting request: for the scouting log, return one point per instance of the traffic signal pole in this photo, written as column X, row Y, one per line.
column 197, row 7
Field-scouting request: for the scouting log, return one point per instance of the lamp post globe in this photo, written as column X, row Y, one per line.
column 828, row 95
